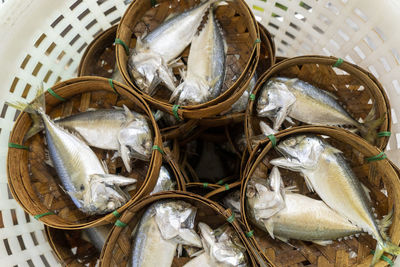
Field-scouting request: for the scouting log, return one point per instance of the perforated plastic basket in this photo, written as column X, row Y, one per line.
column 43, row 41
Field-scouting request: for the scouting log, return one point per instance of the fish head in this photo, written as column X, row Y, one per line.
column 192, row 92
column 164, row 182
column 275, row 101
column 137, row 136
column 148, row 69
column 303, row 150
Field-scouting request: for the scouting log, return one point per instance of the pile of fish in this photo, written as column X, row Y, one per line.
column 283, row 99
column 167, row 229
column 83, row 176
column 156, row 53
column 345, row 207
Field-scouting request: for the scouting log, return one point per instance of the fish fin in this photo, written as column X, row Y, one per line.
column 37, row 126
column 333, row 150
column 331, row 95
column 291, row 189
column 309, row 184
column 175, row 63
column 280, row 117
column 269, row 225
column 383, row 247
column 152, row 87
column 85, row 236
column 177, row 93
column 213, row 82
column 368, row 129
column 367, row 192
column 112, row 179
column 93, row 109
column 371, row 114
column 190, row 237
column 322, row 242
column 384, row 224
column 47, row 158
column 287, row 164
column 124, row 152
column 265, row 129
column 170, row 16
column 128, row 114
column 283, row 239
column 118, row 108
column 288, row 119
column 105, row 167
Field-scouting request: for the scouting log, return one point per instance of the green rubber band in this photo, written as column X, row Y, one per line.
column 175, row 111
column 384, row 133
column 55, row 95
column 231, row 218
column 111, row 82
column 119, row 41
column 380, row 156
column 153, row 3
column 338, row 62
column 250, row 233
column 13, row 145
column 257, row 41
column 273, row 139
column 155, row 147
column 220, row 182
column 252, row 97
column 37, row 217
column 384, row 258
column 116, row 214
column 120, row 224
column 226, row 186
column 205, row 185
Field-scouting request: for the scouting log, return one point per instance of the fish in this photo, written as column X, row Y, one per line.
column 232, row 201
column 155, row 53
column 97, row 236
column 241, row 104
column 205, row 68
column 123, row 130
column 327, row 172
column 284, row 97
column 116, row 75
column 222, row 248
column 163, row 226
column 83, row 176
column 287, row 215
column 164, row 182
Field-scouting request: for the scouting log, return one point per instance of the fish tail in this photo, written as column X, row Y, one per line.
column 383, row 247
column 385, row 223
column 368, row 130
column 35, row 108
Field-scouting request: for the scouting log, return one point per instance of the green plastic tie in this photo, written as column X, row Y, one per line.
column 252, row 97
column 273, row 139
column 205, row 185
column 155, row 147
column 250, row 233
column 220, row 182
column 380, row 156
column 338, row 62
column 55, row 95
column 37, row 217
column 384, row 133
column 120, row 224
column 116, row 214
column 111, row 82
column 257, row 41
column 226, row 186
column 13, row 145
column 119, row 41
column 384, row 258
column 153, row 3
column 175, row 111
column 231, row 218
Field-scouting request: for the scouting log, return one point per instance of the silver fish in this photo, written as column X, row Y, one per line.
column 286, row 215
column 232, row 201
column 164, row 182
column 223, row 248
column 83, row 176
column 116, row 75
column 327, row 172
column 282, row 97
column 114, row 129
column 163, row 226
column 151, row 59
column 97, row 235
column 241, row 104
column 206, row 66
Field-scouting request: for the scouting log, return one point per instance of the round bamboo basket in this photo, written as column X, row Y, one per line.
column 356, row 89
column 267, row 59
column 118, row 245
column 72, row 250
column 35, row 185
column 378, row 176
column 242, row 37
column 99, row 60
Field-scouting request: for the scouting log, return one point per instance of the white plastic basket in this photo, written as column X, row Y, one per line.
column 43, row 41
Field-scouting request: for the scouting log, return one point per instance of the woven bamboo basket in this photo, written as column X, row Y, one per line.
column 73, row 250
column 99, row 60
column 356, row 89
column 267, row 59
column 379, row 176
column 118, row 245
column 241, row 34
column 36, row 186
